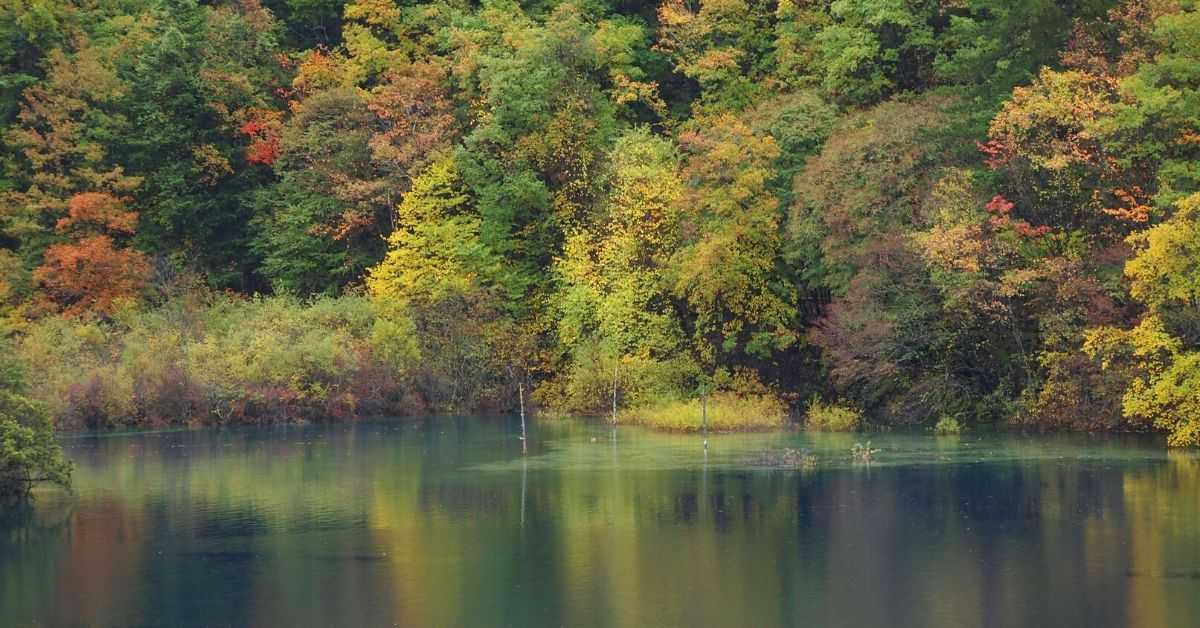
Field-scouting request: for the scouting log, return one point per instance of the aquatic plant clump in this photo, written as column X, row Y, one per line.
column 832, row 417
column 947, row 425
column 726, row 412
column 789, row 458
column 863, row 453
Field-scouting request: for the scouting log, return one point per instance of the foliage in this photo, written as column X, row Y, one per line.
column 204, row 358
column 926, row 208
column 725, row 266
column 726, row 412
column 1164, row 348
column 832, row 417
column 29, row 453
column 91, row 274
column 615, row 314
column 947, row 425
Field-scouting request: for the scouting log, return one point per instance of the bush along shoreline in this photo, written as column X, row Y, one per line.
column 29, row 453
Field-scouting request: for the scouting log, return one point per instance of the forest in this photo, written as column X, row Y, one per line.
column 975, row 213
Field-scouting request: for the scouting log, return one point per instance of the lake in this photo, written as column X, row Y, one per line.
column 444, row 523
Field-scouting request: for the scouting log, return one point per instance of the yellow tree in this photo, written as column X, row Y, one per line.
column 614, row 308
column 1163, row 351
column 435, row 290
column 730, row 228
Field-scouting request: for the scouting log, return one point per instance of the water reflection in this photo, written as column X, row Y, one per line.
column 447, row 524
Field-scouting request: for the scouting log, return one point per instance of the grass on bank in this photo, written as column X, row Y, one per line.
column 727, row 412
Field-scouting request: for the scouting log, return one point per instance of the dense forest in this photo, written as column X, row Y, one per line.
column 978, row 212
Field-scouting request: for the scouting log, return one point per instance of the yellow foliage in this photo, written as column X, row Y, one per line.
column 435, row 250
column 727, row 412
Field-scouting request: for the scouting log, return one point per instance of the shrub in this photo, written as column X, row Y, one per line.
column 28, row 452
column 832, row 417
column 947, row 425
column 214, row 358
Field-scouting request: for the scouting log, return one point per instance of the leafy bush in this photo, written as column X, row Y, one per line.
column 832, row 417
column 213, row 358
column 28, row 452
column 947, row 425
column 727, row 412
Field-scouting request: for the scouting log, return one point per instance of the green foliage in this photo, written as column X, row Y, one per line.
column 875, row 48
column 1157, row 119
column 205, row 358
column 614, row 308
column 311, row 238
column 947, row 425
column 29, row 453
column 1000, row 45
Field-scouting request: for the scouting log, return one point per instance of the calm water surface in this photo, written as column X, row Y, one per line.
column 445, row 524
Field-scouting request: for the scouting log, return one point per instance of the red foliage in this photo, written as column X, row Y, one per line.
column 995, row 153
column 263, row 129
column 1001, row 210
column 999, row 205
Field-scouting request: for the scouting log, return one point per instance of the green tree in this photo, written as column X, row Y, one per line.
column 186, row 90
column 29, row 453
column 314, row 238
column 875, row 48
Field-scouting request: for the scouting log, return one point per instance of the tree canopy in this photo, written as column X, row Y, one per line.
column 977, row 209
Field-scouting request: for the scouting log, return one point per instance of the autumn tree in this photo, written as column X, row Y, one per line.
column 312, row 237
column 725, row 266
column 616, row 316
column 721, row 44
column 1161, row 354
column 93, row 272
column 437, row 288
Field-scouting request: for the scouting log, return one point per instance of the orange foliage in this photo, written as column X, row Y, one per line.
column 96, row 211
column 1116, row 46
column 1132, row 207
column 91, row 275
column 317, row 69
column 415, row 112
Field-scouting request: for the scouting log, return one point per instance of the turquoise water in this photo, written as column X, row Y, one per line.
column 445, row 523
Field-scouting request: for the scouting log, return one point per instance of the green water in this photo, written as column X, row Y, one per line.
column 445, row 523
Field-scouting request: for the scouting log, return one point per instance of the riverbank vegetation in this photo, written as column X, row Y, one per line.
column 264, row 210
column 29, row 454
